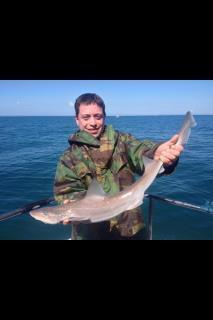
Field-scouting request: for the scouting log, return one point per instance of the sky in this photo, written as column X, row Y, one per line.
column 121, row 97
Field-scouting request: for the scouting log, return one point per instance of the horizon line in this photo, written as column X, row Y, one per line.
column 112, row 115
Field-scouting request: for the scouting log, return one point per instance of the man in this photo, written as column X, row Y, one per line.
column 113, row 158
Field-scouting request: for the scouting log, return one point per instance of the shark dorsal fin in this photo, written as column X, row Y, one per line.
column 95, row 190
column 147, row 162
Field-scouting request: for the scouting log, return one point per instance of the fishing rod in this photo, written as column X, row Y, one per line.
column 25, row 209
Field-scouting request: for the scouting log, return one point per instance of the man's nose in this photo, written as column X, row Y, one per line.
column 92, row 121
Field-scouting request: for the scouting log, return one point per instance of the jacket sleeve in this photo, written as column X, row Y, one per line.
column 67, row 184
column 136, row 149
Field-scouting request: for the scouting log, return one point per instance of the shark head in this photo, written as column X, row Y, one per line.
column 45, row 215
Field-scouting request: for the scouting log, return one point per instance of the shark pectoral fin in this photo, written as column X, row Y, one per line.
column 95, row 190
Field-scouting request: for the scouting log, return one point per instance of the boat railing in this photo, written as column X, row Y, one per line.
column 171, row 202
column 152, row 198
column 26, row 209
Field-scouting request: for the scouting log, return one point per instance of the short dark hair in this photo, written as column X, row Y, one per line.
column 88, row 98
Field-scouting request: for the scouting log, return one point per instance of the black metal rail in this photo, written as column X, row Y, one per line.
column 25, row 209
column 173, row 202
column 151, row 197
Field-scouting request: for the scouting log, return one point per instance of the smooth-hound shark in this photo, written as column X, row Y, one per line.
column 98, row 206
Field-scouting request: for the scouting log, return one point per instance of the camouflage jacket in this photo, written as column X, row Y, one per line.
column 114, row 160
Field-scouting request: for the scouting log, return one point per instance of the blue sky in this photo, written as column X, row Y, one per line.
column 123, row 97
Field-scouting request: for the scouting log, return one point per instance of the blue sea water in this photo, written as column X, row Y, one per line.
column 30, row 148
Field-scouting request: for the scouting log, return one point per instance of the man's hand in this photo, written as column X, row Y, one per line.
column 168, row 152
column 67, row 221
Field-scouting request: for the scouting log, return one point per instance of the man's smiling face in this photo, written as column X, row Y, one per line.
column 91, row 119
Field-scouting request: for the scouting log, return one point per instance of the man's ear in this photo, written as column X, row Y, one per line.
column 76, row 120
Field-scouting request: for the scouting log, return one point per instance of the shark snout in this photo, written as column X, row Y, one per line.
column 40, row 215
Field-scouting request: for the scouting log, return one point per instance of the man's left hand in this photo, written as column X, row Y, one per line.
column 169, row 152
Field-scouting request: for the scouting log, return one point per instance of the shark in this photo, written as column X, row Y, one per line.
column 97, row 206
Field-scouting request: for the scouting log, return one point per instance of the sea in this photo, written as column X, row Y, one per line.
column 31, row 146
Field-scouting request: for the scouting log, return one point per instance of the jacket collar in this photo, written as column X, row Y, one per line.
column 109, row 135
